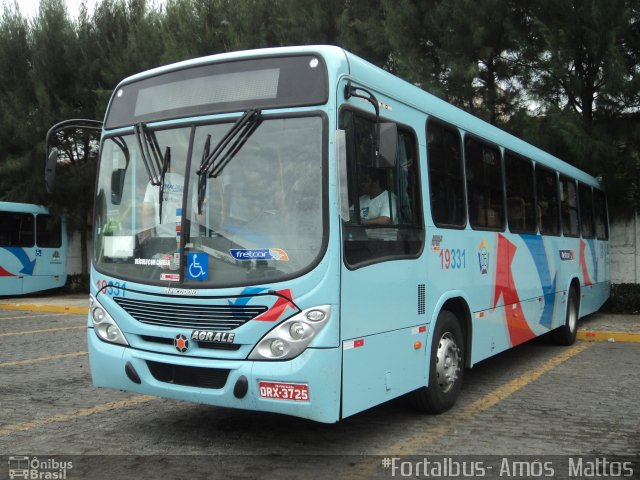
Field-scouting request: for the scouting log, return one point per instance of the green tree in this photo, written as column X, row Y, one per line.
column 460, row 50
column 63, row 91
column 194, row 28
column 16, row 88
column 361, row 29
column 583, row 72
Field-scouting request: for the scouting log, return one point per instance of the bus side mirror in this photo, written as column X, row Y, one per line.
column 71, row 143
column 50, row 170
column 388, row 145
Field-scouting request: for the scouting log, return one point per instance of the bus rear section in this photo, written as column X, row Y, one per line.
column 33, row 249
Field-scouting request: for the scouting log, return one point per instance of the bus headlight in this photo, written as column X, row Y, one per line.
column 105, row 327
column 290, row 338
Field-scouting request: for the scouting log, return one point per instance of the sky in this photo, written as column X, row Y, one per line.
column 29, row 8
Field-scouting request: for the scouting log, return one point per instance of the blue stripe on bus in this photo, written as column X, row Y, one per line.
column 535, row 244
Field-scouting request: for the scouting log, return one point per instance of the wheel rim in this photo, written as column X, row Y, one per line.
column 447, row 362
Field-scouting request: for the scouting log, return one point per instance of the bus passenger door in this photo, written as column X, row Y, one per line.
column 383, row 276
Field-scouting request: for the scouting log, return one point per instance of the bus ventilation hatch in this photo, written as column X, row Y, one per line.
column 421, row 299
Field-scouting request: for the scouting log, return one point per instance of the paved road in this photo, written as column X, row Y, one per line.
column 535, row 400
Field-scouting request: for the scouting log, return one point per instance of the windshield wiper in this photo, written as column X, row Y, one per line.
column 146, row 143
column 155, row 163
column 213, row 162
column 166, row 164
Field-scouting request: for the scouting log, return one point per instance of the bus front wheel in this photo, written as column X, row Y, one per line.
column 446, row 367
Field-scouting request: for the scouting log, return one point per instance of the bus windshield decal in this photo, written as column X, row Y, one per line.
column 260, row 254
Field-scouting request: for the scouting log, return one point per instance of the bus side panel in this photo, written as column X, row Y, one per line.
column 381, row 297
column 595, row 275
column 381, row 320
column 521, row 300
column 10, row 284
column 497, row 330
column 543, row 277
column 50, row 269
column 31, row 269
column 380, row 367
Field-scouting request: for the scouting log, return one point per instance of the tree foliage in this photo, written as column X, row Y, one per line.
column 563, row 75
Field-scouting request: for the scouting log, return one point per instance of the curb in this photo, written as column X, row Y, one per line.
column 608, row 336
column 33, row 307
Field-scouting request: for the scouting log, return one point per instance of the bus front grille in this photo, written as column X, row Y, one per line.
column 210, row 346
column 188, row 376
column 189, row 316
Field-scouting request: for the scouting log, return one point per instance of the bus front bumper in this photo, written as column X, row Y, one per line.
column 269, row 386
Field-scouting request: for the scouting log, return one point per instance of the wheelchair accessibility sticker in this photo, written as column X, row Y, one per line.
column 197, row 266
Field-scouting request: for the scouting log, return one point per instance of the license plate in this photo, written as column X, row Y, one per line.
column 297, row 392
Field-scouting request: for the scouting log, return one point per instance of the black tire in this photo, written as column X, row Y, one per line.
column 566, row 334
column 445, row 379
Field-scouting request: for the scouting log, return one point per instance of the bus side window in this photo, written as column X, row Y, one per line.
column 569, row 207
column 586, row 210
column 521, row 212
column 600, row 211
column 17, row 229
column 547, row 207
column 484, row 185
column 384, row 202
column 48, row 231
column 446, row 181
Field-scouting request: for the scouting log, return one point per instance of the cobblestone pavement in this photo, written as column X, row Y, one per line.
column 536, row 400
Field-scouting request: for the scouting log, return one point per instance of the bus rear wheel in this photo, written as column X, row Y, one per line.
column 446, row 367
column 566, row 334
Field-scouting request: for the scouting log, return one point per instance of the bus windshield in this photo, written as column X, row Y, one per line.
column 261, row 218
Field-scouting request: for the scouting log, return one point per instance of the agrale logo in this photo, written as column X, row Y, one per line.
column 181, row 343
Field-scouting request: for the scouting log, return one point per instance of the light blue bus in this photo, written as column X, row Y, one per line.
column 33, row 249
column 295, row 230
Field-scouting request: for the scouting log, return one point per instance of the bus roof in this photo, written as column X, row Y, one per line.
column 326, row 51
column 344, row 62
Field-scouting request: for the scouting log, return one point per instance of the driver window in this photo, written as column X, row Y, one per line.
column 385, row 218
